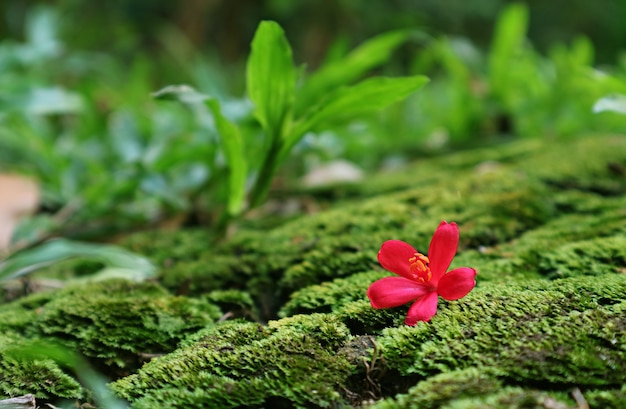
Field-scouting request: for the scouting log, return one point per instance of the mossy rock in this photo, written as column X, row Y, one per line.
column 239, row 364
column 42, row 377
column 543, row 223
column 118, row 324
column 564, row 332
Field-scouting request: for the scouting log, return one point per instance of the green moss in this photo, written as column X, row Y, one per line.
column 587, row 257
column 116, row 322
column 119, row 322
column 607, row 399
column 234, row 303
column 513, row 398
column 440, row 389
column 40, row 377
column 166, row 248
column 329, row 296
column 362, row 319
column 525, row 332
column 239, row 364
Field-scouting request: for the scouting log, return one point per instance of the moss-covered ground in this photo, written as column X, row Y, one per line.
column 279, row 317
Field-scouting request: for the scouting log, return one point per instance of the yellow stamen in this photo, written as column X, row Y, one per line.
column 419, row 268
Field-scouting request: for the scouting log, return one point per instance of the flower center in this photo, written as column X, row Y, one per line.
column 419, row 268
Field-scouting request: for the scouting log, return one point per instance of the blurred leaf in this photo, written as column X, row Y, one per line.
column 156, row 185
column 26, row 261
column 125, row 136
column 235, row 157
column 46, row 101
column 230, row 138
column 367, row 96
column 508, row 39
column 182, row 93
column 65, row 357
column 612, row 103
column 271, row 77
column 369, row 54
column 32, row 228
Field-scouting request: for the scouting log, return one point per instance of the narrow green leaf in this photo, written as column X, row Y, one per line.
column 271, row 77
column 230, row 138
column 182, row 93
column 26, row 261
column 366, row 56
column 232, row 145
column 348, row 102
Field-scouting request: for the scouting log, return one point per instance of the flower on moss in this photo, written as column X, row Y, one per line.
column 421, row 279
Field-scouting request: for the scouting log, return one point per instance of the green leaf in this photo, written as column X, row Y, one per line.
column 509, row 37
column 26, row 261
column 611, row 103
column 230, row 138
column 182, row 93
column 369, row 54
column 271, row 77
column 232, row 144
column 367, row 96
column 49, row 101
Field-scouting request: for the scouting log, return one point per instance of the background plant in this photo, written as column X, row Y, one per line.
column 110, row 159
column 287, row 112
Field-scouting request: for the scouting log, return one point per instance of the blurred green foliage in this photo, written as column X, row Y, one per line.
column 227, row 26
column 76, row 111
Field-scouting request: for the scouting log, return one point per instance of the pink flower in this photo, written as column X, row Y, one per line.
column 422, row 279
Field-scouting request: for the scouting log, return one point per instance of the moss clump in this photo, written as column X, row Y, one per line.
column 117, row 323
column 568, row 332
column 331, row 295
column 239, row 364
column 41, row 377
column 588, row 257
column 234, row 303
column 606, row 399
column 513, row 398
column 440, row 389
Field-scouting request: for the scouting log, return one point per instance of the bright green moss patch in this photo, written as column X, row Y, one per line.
column 330, row 295
column 608, row 399
column 244, row 364
column 513, row 398
column 556, row 334
column 564, row 332
column 588, row 257
column 42, row 377
column 118, row 323
column 440, row 389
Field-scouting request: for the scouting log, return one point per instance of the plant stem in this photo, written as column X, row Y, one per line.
column 269, row 167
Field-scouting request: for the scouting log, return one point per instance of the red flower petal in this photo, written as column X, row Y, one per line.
column 457, row 283
column 423, row 309
column 394, row 291
column 394, row 256
column 442, row 249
